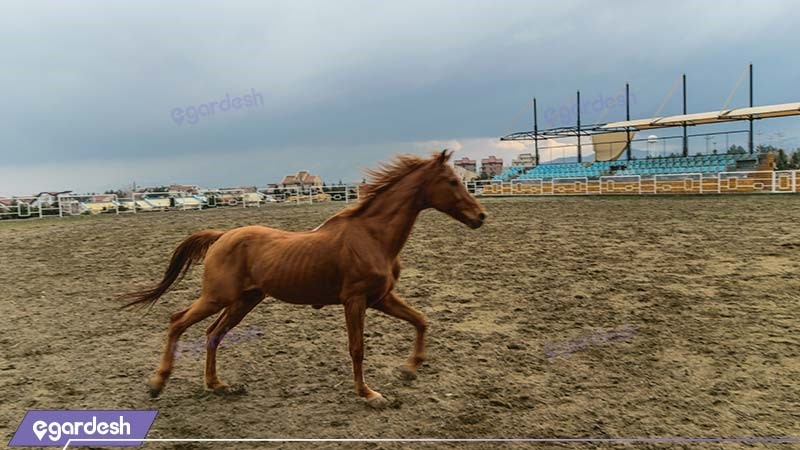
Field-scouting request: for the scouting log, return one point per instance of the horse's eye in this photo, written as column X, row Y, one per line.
column 453, row 183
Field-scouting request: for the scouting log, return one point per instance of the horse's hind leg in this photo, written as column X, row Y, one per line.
column 179, row 322
column 231, row 317
column 396, row 307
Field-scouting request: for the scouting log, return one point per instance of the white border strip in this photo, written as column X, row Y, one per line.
column 673, row 440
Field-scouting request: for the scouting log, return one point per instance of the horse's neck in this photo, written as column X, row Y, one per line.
column 390, row 216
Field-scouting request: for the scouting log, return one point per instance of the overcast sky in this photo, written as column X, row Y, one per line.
column 90, row 89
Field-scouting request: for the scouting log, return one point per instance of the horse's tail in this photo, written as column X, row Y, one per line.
column 191, row 250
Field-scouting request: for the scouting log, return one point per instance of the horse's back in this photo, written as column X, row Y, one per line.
column 297, row 267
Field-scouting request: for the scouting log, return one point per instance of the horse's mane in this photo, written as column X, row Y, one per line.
column 387, row 174
column 384, row 177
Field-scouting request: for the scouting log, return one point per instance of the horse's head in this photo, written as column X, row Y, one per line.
column 445, row 192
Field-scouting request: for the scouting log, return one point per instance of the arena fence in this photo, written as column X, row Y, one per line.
column 743, row 182
column 66, row 205
column 24, row 208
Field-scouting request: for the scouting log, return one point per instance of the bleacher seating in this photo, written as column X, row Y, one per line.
column 99, row 207
column 189, row 201
column 643, row 167
column 512, row 172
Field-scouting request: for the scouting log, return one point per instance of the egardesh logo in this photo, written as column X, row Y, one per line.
column 57, row 428
column 54, row 430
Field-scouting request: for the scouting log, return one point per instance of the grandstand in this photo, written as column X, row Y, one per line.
column 611, row 141
column 186, row 201
column 154, row 202
column 97, row 206
column 645, row 167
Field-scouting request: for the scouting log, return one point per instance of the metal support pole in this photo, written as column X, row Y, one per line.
column 750, row 137
column 685, row 137
column 580, row 159
column 535, row 132
column 628, row 117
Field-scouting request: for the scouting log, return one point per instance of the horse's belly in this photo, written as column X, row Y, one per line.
column 304, row 297
column 302, row 290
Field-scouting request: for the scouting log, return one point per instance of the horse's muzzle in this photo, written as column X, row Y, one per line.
column 477, row 222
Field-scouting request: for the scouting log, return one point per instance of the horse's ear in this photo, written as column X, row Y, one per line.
column 444, row 156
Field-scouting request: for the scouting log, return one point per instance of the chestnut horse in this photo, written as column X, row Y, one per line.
column 351, row 259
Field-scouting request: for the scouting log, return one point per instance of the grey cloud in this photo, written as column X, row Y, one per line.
column 96, row 81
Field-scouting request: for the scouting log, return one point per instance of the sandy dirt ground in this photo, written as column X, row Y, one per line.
column 709, row 284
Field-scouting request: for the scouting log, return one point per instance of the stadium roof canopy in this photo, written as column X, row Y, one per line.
column 725, row 115
column 756, row 112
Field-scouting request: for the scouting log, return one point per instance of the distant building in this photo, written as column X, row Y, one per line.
column 243, row 189
column 492, row 166
column 466, row 164
column 48, row 198
column 185, row 188
column 301, row 179
column 524, row 160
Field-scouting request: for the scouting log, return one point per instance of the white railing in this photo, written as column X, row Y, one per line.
column 78, row 204
column 345, row 194
column 745, row 181
column 24, row 207
column 64, row 205
column 149, row 201
column 785, row 181
column 19, row 207
column 569, row 185
column 620, row 184
column 678, row 183
column 486, row 187
column 781, row 181
column 527, row 186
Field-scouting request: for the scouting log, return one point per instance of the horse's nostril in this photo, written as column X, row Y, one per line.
column 482, row 216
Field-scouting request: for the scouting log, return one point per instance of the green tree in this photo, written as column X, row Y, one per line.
column 782, row 161
column 766, row 148
column 795, row 161
column 736, row 150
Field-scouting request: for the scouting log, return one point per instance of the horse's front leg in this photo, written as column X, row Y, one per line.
column 354, row 311
column 394, row 306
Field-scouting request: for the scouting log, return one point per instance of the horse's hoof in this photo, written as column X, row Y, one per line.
column 218, row 388
column 154, row 389
column 377, row 402
column 407, row 373
column 224, row 389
